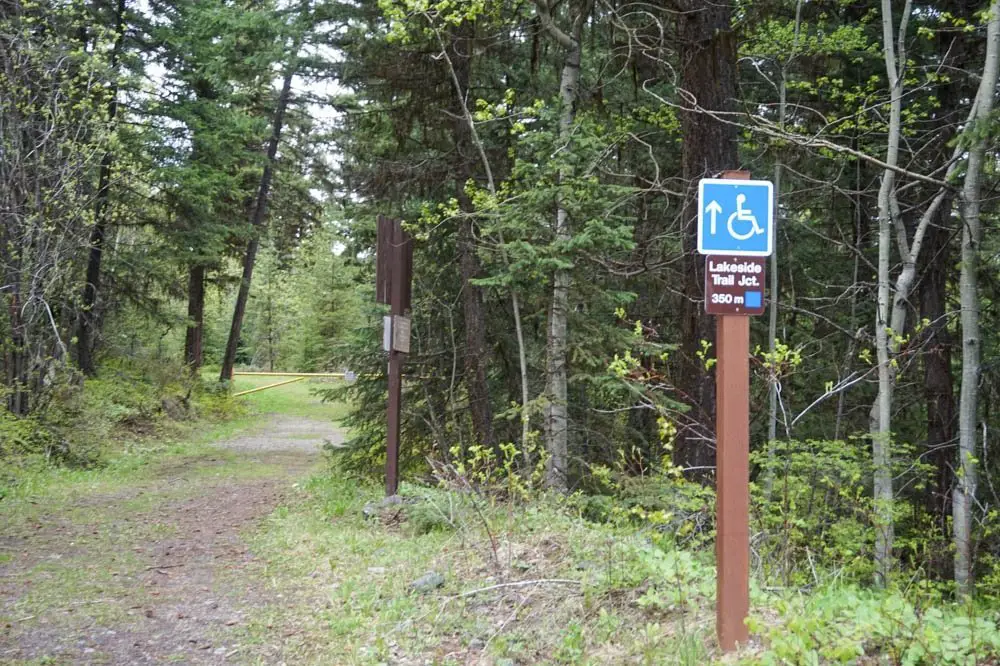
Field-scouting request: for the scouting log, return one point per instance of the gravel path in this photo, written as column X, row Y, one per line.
column 172, row 582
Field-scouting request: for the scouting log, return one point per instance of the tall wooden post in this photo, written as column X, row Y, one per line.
column 394, row 270
column 395, row 368
column 732, row 465
column 732, row 544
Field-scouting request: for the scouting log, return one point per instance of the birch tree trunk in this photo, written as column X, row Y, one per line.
column 888, row 212
column 556, row 380
column 965, row 491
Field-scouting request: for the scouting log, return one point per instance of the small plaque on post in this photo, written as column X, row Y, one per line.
column 401, row 334
column 734, row 285
column 387, row 333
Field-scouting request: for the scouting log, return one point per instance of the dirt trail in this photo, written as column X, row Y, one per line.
column 159, row 572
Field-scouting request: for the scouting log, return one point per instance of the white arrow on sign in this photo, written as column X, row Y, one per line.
column 713, row 209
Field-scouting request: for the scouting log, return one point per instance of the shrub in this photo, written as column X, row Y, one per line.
column 843, row 624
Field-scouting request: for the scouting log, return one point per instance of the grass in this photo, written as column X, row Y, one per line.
column 144, row 459
column 338, row 584
column 523, row 583
column 296, row 399
column 73, row 511
column 350, row 578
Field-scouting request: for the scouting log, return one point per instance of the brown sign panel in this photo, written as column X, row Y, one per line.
column 393, row 264
column 402, row 266
column 734, row 285
column 383, row 259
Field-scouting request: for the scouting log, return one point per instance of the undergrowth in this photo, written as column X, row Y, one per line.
column 85, row 423
column 641, row 548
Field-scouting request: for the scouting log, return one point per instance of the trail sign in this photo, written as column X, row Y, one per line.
column 734, row 285
column 735, row 217
column 401, row 334
column 394, row 275
column 734, row 221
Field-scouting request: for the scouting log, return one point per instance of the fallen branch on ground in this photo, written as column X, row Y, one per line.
column 521, row 583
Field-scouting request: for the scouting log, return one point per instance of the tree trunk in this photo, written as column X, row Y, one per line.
column 556, row 377
column 16, row 357
column 772, row 322
column 888, row 217
column 257, row 223
column 460, row 96
column 476, row 358
column 557, row 342
column 86, row 321
column 965, row 491
column 707, row 53
column 939, row 389
column 196, row 317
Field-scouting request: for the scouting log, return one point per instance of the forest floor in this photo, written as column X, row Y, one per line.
column 242, row 545
column 150, row 564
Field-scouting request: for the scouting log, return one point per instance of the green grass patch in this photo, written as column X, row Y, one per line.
column 345, row 582
column 45, row 488
column 296, row 399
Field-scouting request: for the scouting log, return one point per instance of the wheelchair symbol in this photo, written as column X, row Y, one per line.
column 743, row 215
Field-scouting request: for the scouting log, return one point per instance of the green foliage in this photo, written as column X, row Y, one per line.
column 842, row 624
column 505, row 470
column 83, row 422
column 676, row 511
column 813, row 513
column 811, row 504
column 312, row 304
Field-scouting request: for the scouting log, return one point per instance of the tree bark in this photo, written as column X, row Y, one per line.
column 557, row 342
column 889, row 313
column 86, row 322
column 476, row 357
column 473, row 135
column 16, row 357
column 195, row 318
column 939, row 386
column 965, row 491
column 707, row 52
column 257, row 223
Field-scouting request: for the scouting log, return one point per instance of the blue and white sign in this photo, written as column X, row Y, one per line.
column 735, row 217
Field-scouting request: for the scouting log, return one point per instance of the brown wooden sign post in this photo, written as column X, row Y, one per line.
column 393, row 278
column 729, row 234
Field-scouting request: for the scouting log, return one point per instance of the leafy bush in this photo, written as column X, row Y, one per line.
column 812, row 511
column 680, row 512
column 81, row 420
column 843, row 624
column 812, row 501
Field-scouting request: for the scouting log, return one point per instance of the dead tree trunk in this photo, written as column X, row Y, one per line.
column 257, row 224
